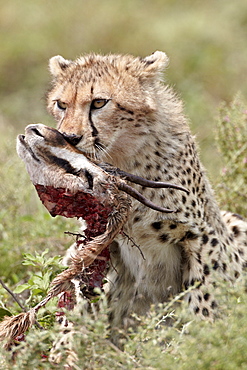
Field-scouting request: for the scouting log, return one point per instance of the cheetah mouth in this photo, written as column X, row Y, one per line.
column 93, row 153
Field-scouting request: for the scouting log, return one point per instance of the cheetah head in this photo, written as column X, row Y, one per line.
column 101, row 103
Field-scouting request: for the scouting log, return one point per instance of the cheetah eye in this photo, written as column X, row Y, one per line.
column 98, row 103
column 61, row 105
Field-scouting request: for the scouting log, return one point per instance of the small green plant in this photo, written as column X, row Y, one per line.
column 44, row 269
column 47, row 268
column 232, row 142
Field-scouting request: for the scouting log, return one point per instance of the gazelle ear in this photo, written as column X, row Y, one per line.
column 155, row 63
column 58, row 64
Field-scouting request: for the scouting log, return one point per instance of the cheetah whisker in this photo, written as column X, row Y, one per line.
column 102, row 149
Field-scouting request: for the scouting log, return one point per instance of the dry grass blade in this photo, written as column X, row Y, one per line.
column 12, row 327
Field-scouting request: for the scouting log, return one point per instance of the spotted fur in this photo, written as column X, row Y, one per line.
column 117, row 109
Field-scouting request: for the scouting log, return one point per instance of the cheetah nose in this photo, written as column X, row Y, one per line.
column 72, row 139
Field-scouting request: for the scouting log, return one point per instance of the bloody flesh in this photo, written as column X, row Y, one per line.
column 59, row 201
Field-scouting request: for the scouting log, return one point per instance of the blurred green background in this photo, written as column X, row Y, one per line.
column 206, row 42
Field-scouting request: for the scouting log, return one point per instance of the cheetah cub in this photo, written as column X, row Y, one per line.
column 116, row 108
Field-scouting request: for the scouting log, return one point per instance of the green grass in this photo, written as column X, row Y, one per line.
column 232, row 141
column 188, row 344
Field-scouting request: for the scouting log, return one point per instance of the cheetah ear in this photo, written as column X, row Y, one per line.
column 155, row 63
column 58, row 64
